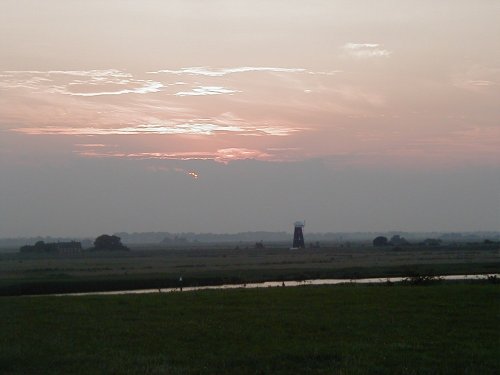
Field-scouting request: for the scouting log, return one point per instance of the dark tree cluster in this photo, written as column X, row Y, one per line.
column 380, row 241
column 38, row 247
column 431, row 242
column 395, row 240
column 54, row 247
column 259, row 245
column 105, row 242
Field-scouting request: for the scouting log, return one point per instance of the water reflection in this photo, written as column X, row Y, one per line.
column 273, row 284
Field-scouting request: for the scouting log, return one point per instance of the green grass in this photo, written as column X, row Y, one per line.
column 93, row 271
column 58, row 284
column 439, row 329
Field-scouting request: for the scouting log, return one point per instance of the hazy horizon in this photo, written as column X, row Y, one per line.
column 232, row 116
column 266, row 237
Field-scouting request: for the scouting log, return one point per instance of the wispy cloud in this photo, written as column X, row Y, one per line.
column 81, row 73
column 474, row 85
column 206, row 90
column 196, row 155
column 229, row 154
column 27, row 82
column 199, row 129
column 91, row 145
column 206, row 71
column 162, row 128
column 481, row 83
column 327, row 73
column 269, row 130
column 224, row 155
column 476, row 78
column 67, row 82
column 365, row 50
column 114, row 82
column 149, row 87
column 356, row 46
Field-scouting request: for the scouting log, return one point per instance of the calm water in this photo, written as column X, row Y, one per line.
column 273, row 284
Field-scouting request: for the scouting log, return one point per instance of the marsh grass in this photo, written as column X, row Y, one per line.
column 443, row 328
column 22, row 274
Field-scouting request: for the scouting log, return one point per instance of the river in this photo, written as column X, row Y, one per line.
column 273, row 284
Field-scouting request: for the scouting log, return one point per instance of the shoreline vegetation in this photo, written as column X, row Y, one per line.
column 140, row 268
column 390, row 281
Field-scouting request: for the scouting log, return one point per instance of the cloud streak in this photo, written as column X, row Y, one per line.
column 160, row 129
column 365, row 50
column 150, row 87
column 206, row 71
column 114, row 82
column 224, row 155
column 206, row 90
column 80, row 73
column 60, row 82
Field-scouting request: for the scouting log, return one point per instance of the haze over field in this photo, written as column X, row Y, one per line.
column 233, row 116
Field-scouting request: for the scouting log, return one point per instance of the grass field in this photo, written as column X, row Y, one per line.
column 438, row 329
column 137, row 269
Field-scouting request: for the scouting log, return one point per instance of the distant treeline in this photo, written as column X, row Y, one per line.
column 104, row 242
column 21, row 241
column 52, row 247
column 252, row 237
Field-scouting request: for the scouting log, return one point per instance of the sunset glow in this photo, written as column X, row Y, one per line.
column 410, row 86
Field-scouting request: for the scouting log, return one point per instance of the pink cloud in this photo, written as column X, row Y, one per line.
column 161, row 129
column 221, row 155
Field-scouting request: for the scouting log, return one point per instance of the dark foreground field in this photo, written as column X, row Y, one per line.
column 444, row 329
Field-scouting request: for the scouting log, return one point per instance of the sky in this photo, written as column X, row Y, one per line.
column 231, row 116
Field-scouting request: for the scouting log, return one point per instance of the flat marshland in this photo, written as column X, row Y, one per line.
column 444, row 328
column 448, row 328
column 147, row 267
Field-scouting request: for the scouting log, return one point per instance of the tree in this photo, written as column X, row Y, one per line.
column 107, row 242
column 39, row 246
column 380, row 241
column 432, row 242
column 259, row 245
column 397, row 240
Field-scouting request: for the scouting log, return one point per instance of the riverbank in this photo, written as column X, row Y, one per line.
column 27, row 274
column 275, row 284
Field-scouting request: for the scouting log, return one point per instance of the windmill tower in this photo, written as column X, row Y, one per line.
column 298, row 236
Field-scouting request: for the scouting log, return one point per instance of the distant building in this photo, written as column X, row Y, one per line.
column 298, row 235
column 67, row 247
column 71, row 247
